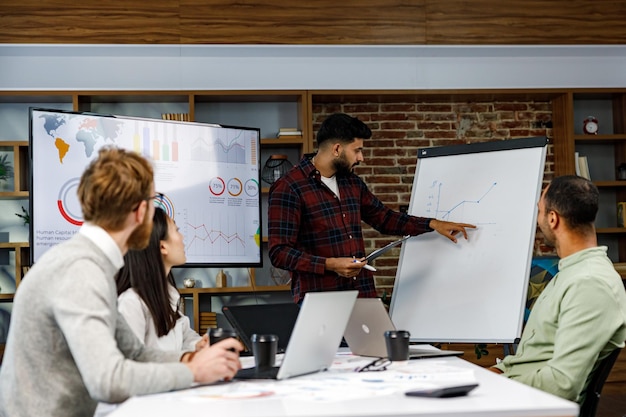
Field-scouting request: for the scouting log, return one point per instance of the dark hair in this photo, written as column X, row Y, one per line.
column 574, row 198
column 144, row 271
column 342, row 127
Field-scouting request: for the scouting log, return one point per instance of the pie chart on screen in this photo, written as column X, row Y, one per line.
column 68, row 204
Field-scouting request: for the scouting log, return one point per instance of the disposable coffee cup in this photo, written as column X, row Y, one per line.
column 264, row 348
column 397, row 342
column 215, row 335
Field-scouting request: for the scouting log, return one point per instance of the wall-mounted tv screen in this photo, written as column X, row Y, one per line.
column 209, row 175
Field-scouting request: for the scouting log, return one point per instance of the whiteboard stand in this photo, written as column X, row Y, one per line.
column 473, row 291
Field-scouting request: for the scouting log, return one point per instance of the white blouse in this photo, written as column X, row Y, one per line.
column 181, row 338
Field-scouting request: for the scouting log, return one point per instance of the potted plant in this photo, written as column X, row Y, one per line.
column 24, row 215
column 6, row 168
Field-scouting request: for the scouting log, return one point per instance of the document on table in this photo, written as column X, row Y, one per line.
column 340, row 383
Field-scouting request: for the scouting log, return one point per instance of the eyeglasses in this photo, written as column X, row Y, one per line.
column 158, row 198
column 379, row 364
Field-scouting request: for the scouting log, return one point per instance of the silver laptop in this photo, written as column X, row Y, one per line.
column 365, row 332
column 315, row 337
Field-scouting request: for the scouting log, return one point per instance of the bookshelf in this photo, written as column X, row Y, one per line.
column 268, row 110
column 605, row 152
column 14, row 193
column 271, row 110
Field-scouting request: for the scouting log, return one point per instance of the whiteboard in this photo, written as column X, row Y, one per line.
column 209, row 175
column 475, row 290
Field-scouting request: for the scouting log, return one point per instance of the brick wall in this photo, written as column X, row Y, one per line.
column 399, row 129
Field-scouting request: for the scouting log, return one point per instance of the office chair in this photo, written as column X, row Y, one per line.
column 592, row 397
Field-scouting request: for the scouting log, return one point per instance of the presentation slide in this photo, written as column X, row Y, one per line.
column 209, row 175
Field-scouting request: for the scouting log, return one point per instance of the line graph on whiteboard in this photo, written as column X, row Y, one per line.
column 470, row 209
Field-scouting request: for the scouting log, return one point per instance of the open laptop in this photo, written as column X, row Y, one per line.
column 315, row 338
column 278, row 319
column 365, row 332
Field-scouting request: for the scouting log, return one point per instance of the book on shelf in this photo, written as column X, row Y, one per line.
column 583, row 167
column 288, row 131
column 181, row 117
column 621, row 214
column 576, row 164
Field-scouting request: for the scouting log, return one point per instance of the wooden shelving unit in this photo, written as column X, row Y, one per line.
column 604, row 151
column 268, row 110
column 272, row 110
column 16, row 187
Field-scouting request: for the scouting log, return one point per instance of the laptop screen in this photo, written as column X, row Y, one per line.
column 277, row 319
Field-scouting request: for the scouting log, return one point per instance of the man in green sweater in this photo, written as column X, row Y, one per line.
column 580, row 317
column 68, row 347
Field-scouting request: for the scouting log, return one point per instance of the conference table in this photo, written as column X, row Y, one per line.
column 342, row 392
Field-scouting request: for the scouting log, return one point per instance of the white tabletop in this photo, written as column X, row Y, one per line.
column 342, row 392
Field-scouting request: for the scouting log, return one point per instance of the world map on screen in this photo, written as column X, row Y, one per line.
column 90, row 132
column 209, row 176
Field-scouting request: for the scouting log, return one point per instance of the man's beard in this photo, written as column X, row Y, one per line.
column 140, row 237
column 548, row 236
column 342, row 167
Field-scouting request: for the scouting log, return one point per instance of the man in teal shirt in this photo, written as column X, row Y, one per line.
column 580, row 317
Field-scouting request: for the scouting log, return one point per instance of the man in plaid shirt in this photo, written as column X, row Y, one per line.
column 315, row 213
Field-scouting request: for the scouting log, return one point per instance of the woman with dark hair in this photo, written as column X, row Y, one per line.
column 147, row 294
column 148, row 298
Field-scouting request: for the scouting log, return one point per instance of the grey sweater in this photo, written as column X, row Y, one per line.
column 68, row 347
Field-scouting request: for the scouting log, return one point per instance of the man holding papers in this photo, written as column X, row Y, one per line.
column 315, row 213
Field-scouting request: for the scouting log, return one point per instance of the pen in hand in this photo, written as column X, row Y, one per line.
column 366, row 266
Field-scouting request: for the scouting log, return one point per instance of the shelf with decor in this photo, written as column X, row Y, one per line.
column 14, row 219
column 14, row 194
column 284, row 141
column 14, row 169
column 268, row 110
column 149, row 104
column 604, row 147
column 16, row 255
column 605, row 151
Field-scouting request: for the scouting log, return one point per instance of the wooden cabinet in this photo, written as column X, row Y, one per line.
column 14, row 186
column 604, row 151
column 14, row 247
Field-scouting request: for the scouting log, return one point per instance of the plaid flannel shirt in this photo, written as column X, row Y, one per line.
column 308, row 223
